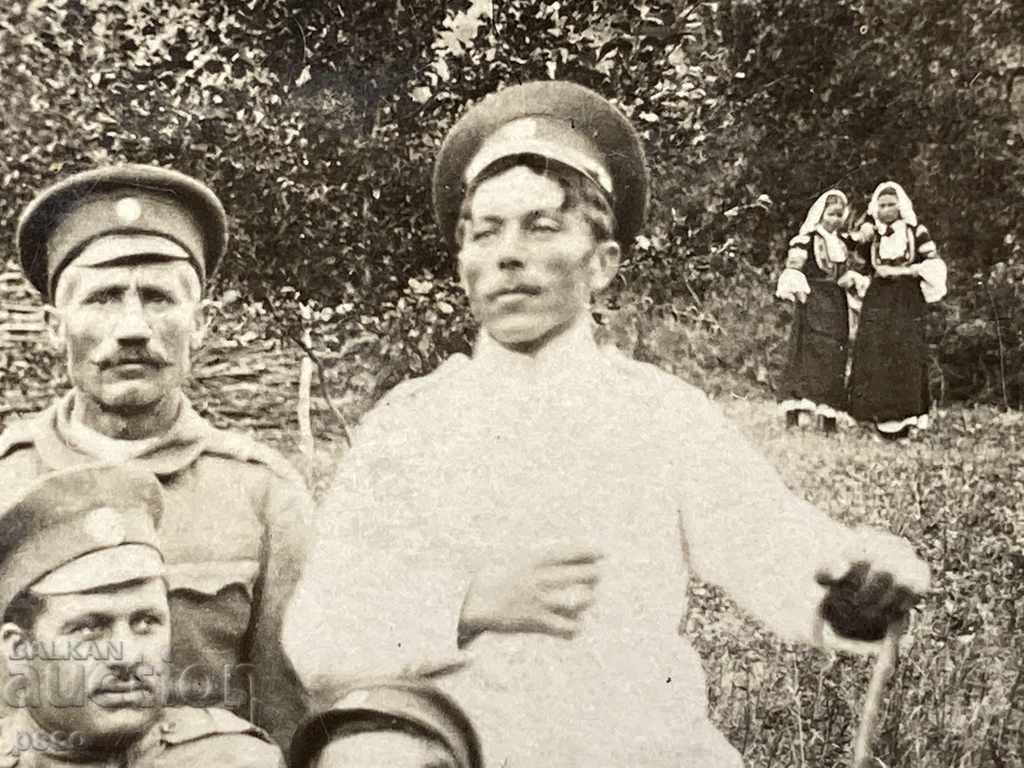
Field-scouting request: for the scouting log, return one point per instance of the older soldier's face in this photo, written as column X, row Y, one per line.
column 128, row 331
column 528, row 266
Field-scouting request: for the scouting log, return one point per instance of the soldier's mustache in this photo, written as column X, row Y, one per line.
column 121, row 680
column 129, row 357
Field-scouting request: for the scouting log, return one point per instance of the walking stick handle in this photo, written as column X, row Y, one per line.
column 885, row 664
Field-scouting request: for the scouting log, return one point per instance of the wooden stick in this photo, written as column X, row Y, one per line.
column 307, row 444
column 885, row 664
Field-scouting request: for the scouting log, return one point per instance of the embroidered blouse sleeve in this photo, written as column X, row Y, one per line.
column 793, row 281
column 925, row 245
column 799, row 249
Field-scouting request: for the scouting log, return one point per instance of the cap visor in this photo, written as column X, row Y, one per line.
column 111, row 249
column 494, row 151
column 105, row 567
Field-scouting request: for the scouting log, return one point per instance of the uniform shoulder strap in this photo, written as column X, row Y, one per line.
column 183, row 724
column 241, row 447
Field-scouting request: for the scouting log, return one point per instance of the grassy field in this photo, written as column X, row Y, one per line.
column 957, row 698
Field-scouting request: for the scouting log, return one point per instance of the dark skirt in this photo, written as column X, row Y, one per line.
column 889, row 380
column 816, row 368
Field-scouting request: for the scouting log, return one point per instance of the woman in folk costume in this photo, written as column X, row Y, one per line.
column 889, row 380
column 816, row 278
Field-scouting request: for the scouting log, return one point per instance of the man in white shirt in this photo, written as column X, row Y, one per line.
column 519, row 525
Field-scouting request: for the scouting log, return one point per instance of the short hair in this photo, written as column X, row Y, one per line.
column 834, row 199
column 25, row 609
column 581, row 193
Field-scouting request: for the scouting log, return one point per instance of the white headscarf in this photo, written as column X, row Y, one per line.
column 818, row 210
column 894, row 238
column 906, row 207
column 812, row 223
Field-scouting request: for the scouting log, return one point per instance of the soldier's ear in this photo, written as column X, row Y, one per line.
column 460, row 268
column 55, row 327
column 202, row 316
column 15, row 642
column 604, row 264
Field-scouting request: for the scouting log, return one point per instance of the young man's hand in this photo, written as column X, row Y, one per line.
column 546, row 593
column 878, row 586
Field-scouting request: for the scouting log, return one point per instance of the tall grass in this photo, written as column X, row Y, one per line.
column 957, row 698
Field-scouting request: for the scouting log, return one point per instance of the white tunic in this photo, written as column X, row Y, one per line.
column 490, row 457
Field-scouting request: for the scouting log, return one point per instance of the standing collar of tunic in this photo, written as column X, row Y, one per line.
column 571, row 354
column 164, row 455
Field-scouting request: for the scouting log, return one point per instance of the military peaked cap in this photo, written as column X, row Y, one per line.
column 555, row 120
column 119, row 213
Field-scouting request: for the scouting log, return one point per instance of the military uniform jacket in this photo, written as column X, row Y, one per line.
column 232, row 534
column 183, row 737
column 491, row 456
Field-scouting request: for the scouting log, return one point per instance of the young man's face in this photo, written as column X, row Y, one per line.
column 529, row 267
column 377, row 749
column 888, row 208
column 128, row 331
column 103, row 679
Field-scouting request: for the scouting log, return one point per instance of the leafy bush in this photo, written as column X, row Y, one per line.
column 318, row 124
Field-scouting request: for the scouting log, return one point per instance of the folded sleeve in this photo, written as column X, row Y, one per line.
column 799, row 250
column 854, row 282
column 933, row 276
column 791, row 282
column 925, row 245
column 745, row 531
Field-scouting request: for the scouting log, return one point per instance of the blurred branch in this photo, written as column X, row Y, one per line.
column 1002, row 347
column 307, row 443
column 324, row 391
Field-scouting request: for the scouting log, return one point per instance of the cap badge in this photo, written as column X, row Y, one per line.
column 105, row 526
column 128, row 210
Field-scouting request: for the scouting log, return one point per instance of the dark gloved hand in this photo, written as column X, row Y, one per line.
column 863, row 603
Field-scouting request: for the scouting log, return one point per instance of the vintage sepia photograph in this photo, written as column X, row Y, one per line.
column 512, row 383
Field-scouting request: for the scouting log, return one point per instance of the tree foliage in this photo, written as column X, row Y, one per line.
column 318, row 123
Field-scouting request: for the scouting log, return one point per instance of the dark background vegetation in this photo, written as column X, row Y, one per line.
column 317, row 122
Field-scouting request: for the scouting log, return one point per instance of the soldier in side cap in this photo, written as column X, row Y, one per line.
column 121, row 255
column 397, row 723
column 519, row 525
column 86, row 631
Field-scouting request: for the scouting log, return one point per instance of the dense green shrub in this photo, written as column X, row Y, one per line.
column 318, row 123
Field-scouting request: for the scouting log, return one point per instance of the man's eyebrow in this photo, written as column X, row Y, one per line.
column 92, row 617
column 150, row 610
column 154, row 287
column 531, row 213
column 554, row 212
column 100, row 290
